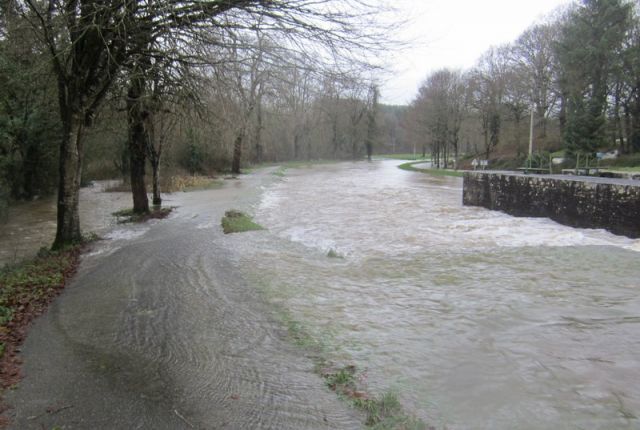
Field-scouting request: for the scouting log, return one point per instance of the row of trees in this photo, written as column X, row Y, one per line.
column 575, row 77
column 152, row 82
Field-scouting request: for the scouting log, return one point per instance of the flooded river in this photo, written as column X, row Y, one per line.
column 32, row 225
column 476, row 319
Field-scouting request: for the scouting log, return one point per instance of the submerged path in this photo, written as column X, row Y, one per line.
column 158, row 330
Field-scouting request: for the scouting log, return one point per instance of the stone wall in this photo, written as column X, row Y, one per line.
column 614, row 207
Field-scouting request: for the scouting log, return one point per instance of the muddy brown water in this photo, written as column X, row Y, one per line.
column 477, row 320
column 32, row 225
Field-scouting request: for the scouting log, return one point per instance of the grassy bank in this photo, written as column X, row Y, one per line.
column 26, row 290
column 436, row 172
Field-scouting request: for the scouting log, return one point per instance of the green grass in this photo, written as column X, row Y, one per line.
column 300, row 336
column 403, row 157
column 129, row 216
column 381, row 412
column 212, row 184
column 436, row 172
column 623, row 169
column 625, row 160
column 237, row 222
column 291, row 164
column 280, row 171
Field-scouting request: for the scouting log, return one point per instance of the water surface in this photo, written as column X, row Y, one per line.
column 477, row 319
column 32, row 225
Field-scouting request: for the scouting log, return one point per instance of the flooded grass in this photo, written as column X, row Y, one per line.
column 235, row 221
column 332, row 253
column 174, row 184
column 280, row 172
column 436, row 172
column 192, row 183
column 129, row 216
column 382, row 412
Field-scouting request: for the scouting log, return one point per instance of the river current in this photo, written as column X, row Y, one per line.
column 478, row 320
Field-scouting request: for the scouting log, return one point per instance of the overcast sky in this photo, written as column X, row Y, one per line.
column 454, row 33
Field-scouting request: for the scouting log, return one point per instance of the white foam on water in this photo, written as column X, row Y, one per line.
column 126, row 233
column 502, row 230
column 361, row 214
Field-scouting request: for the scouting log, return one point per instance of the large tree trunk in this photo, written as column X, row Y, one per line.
column 334, row 136
column 296, row 146
column 455, row 157
column 445, row 154
column 627, row 129
column 70, row 171
column 155, row 165
column 258, row 134
column 137, row 145
column 633, row 145
column 154, row 152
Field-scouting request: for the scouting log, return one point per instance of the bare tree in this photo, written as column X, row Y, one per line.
column 372, row 119
column 533, row 55
column 89, row 43
column 489, row 89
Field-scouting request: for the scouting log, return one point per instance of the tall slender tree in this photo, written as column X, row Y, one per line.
column 590, row 42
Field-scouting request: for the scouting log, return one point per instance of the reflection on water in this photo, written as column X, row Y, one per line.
column 32, row 225
column 478, row 319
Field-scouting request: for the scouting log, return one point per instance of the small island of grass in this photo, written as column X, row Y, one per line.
column 235, row 221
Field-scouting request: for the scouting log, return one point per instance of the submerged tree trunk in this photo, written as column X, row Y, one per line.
column 70, row 172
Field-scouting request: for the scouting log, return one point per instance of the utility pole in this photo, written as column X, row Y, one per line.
column 531, row 136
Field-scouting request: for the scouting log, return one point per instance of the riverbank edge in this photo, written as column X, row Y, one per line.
column 381, row 412
column 27, row 289
column 435, row 172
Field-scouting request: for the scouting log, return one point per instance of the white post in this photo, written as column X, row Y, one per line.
column 531, row 136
